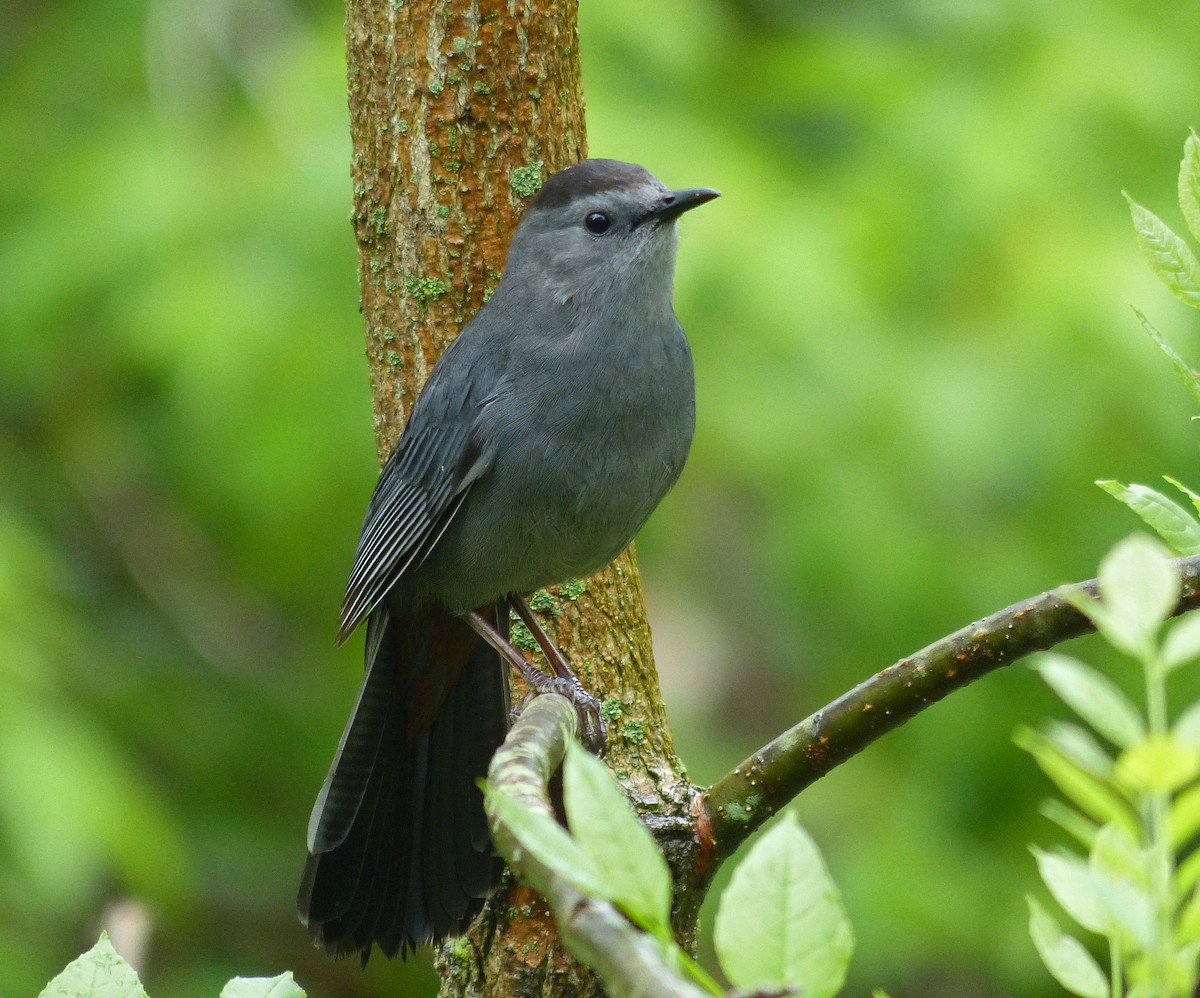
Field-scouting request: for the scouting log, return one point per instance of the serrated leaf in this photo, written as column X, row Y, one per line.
column 1189, row 185
column 1159, row 764
column 1139, row 587
column 282, row 986
column 1070, row 881
column 1065, row 957
column 1094, row 797
column 547, row 841
column 1195, row 497
column 1170, row 258
column 98, row 973
column 1094, row 697
column 1160, row 513
column 780, row 922
column 1182, row 643
column 620, row 846
column 1187, row 374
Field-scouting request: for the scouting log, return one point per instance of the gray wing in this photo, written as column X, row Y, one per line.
column 418, row 493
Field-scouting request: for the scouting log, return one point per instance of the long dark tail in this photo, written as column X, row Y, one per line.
column 398, row 847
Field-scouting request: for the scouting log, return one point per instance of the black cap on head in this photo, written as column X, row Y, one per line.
column 589, row 177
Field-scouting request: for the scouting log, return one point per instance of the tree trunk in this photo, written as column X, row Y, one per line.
column 458, row 111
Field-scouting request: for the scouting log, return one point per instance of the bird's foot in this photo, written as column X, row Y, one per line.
column 592, row 730
column 563, row 682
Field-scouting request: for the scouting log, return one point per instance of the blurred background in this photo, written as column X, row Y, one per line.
column 914, row 355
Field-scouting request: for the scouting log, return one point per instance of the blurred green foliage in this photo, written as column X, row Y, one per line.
column 913, row 357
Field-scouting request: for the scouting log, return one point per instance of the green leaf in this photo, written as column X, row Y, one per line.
column 1119, row 879
column 1184, row 817
column 1130, row 911
column 1195, row 497
column 1187, row 876
column 1186, row 373
column 1070, row 881
column 1082, row 830
column 1182, row 967
column 282, row 986
column 1188, row 922
column 1159, row 764
column 99, row 973
column 1100, row 899
column 1182, row 643
column 1139, row 587
column 1078, row 745
column 1093, row 796
column 622, row 849
column 1156, row 977
column 682, row 963
column 1065, row 957
column 1170, row 258
column 1187, row 725
column 546, row 841
column 1189, row 184
column 1163, row 515
column 1092, row 696
column 1116, row 854
column 780, row 922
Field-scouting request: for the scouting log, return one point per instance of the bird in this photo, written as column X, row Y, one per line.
column 546, row 434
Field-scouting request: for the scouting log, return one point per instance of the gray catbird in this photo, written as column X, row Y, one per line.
column 545, row 436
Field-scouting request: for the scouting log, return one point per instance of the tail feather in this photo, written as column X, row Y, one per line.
column 399, row 854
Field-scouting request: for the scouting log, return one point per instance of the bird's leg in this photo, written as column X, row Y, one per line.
column 563, row 682
column 558, row 661
column 532, row 675
column 586, row 705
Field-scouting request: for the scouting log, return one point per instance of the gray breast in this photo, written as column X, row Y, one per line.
column 582, row 457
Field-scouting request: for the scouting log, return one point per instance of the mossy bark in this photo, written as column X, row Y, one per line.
column 454, row 107
column 457, row 111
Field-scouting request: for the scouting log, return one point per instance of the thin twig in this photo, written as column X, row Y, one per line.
column 738, row 803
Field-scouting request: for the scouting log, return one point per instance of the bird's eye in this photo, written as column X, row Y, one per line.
column 597, row 222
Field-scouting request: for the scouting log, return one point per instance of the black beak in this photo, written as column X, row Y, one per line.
column 676, row 203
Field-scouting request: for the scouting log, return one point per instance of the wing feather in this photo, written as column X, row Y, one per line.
column 419, row 490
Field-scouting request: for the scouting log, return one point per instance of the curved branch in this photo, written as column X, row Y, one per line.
column 628, row 961
column 738, row 803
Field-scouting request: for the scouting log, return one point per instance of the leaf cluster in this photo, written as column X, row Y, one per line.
column 101, row 972
column 780, row 927
column 1174, row 262
column 1131, row 780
